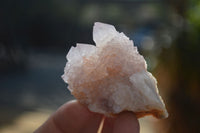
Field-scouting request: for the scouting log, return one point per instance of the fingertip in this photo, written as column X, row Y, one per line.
column 125, row 122
column 73, row 116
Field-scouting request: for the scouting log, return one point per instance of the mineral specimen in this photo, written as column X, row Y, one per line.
column 112, row 76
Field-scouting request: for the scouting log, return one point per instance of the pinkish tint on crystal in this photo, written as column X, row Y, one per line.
column 112, row 76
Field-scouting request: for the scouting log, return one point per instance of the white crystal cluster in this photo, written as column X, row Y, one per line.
column 112, row 76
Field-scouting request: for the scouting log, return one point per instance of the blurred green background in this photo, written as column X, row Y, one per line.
column 35, row 36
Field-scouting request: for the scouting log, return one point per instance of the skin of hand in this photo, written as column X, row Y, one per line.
column 73, row 117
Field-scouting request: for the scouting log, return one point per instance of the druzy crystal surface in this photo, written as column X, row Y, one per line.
column 112, row 76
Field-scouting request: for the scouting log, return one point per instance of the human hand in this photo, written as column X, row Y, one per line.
column 73, row 117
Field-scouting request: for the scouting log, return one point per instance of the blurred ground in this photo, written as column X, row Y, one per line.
column 38, row 86
column 27, row 122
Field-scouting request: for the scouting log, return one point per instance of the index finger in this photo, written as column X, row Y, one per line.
column 72, row 117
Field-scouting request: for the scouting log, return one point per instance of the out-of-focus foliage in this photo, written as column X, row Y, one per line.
column 183, row 70
column 193, row 13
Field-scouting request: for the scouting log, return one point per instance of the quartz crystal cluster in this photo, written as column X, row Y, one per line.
column 112, row 76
